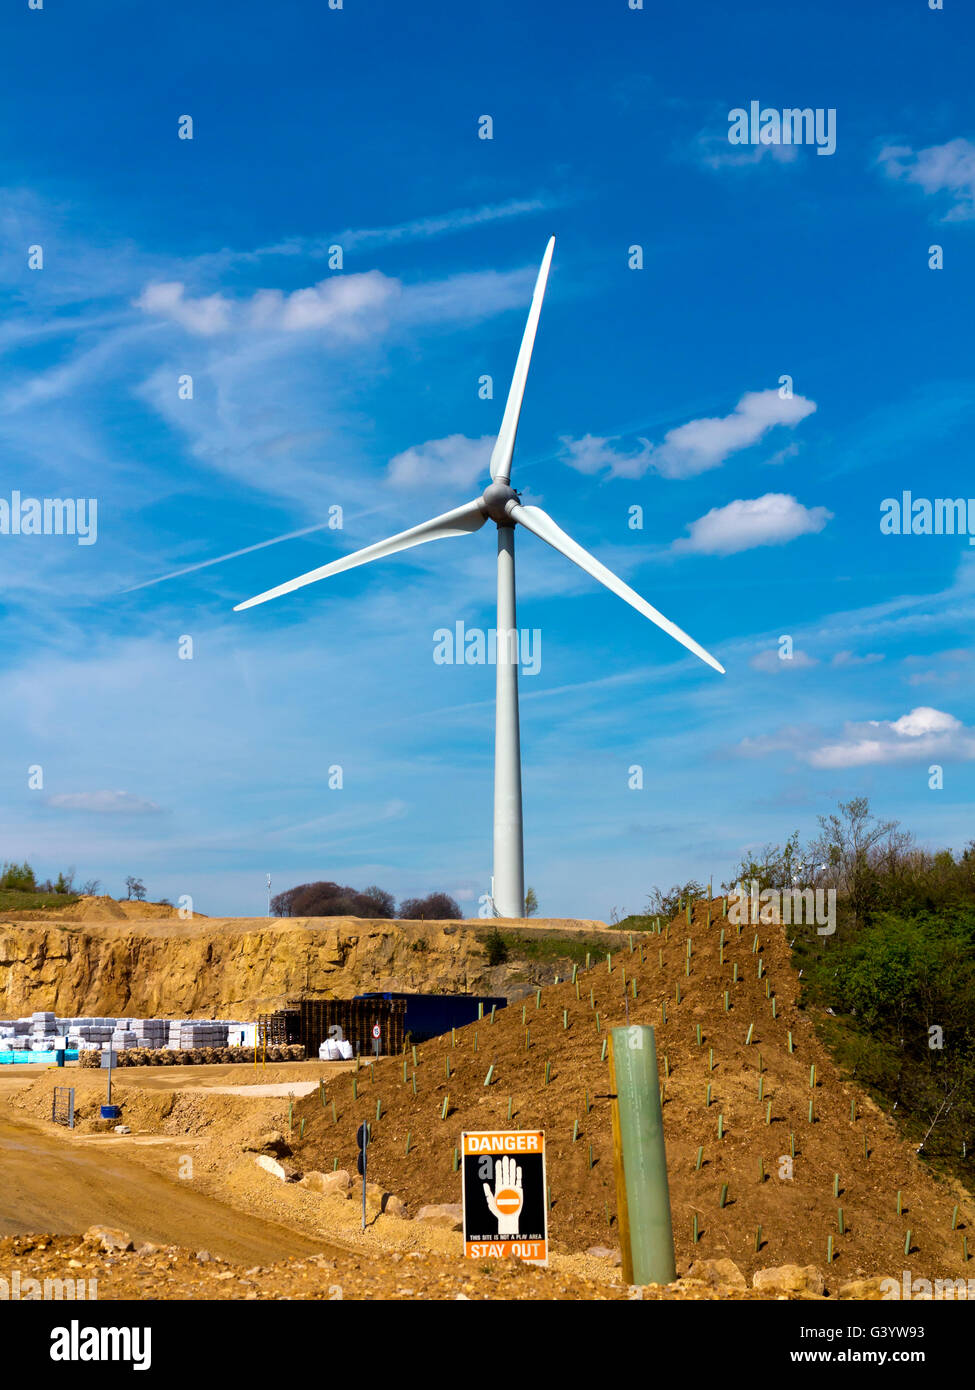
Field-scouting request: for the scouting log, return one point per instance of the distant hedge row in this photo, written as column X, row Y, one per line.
column 170, row 1057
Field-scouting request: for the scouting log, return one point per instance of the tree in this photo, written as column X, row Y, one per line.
column 385, row 902
column 90, row 888
column 854, row 846
column 435, row 907
column 65, row 881
column 135, row 888
column 664, row 904
column 775, row 866
column 531, row 902
column 18, row 876
column 327, row 899
column 496, row 948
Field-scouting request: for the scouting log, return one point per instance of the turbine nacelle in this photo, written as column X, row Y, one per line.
column 495, row 500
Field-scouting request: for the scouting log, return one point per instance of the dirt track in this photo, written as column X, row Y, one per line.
column 62, row 1185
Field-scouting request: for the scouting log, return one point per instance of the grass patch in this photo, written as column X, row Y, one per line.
column 638, row 922
column 552, row 948
column 24, row 900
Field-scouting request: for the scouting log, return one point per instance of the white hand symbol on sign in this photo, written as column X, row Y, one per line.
column 506, row 1201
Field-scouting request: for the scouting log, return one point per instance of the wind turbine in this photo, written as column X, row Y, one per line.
column 501, row 504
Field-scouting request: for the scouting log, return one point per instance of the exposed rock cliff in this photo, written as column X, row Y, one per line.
column 243, row 966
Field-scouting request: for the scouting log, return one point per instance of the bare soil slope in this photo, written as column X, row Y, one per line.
column 760, row 1090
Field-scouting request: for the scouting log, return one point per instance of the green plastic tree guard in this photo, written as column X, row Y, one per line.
column 642, row 1158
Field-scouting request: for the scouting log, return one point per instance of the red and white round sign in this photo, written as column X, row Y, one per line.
column 377, row 1032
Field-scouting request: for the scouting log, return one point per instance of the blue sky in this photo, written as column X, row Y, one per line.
column 316, row 388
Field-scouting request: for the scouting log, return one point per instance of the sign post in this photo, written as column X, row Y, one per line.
column 377, row 1033
column 505, row 1195
column 362, row 1144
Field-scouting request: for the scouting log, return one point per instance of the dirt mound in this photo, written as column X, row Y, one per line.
column 91, row 909
column 775, row 1179
column 142, row 912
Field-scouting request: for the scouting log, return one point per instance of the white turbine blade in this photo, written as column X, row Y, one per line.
column 504, row 445
column 544, row 527
column 459, row 522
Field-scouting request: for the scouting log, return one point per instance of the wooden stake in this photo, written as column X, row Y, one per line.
column 622, row 1207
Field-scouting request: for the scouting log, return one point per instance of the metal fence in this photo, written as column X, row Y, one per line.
column 62, row 1106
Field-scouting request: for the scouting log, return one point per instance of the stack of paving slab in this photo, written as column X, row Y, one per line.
column 45, row 1035
column 150, row 1032
column 200, row 1033
column 46, row 1032
column 90, row 1034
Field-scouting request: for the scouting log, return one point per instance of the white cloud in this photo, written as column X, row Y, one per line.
column 948, row 168
column 715, row 151
column 468, row 297
column 343, row 303
column 592, row 453
column 703, row 444
column 789, row 452
column 852, row 659
column 921, row 734
column 168, row 300
column 784, row 740
column 770, row 660
column 454, row 461
column 925, row 720
column 745, row 523
column 104, row 803
column 692, row 448
column 363, row 238
column 347, row 305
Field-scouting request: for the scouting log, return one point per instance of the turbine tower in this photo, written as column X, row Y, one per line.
column 501, row 504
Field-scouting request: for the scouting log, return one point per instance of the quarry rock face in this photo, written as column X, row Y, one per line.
column 162, row 966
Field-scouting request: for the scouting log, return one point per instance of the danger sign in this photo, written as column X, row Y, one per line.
column 504, row 1194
